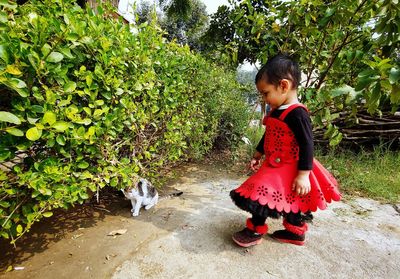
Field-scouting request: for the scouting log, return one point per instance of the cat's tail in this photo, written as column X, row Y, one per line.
column 171, row 195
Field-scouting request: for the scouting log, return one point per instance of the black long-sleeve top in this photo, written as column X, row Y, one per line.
column 299, row 122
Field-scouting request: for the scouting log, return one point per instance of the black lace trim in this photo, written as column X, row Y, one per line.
column 254, row 207
column 264, row 211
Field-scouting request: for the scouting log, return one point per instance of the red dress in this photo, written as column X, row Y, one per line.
column 271, row 185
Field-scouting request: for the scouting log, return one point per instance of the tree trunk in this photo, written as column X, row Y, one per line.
column 94, row 3
column 369, row 130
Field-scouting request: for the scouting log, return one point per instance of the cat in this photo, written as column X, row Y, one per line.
column 144, row 194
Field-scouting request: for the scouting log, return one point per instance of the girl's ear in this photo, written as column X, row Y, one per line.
column 285, row 84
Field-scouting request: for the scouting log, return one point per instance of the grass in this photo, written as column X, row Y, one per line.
column 254, row 134
column 367, row 173
column 374, row 174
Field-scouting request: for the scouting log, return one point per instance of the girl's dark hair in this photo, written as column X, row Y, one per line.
column 280, row 67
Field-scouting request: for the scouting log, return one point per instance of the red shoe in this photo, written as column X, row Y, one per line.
column 247, row 238
column 292, row 234
column 289, row 237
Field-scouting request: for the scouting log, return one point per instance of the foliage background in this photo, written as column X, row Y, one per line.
column 87, row 102
column 349, row 50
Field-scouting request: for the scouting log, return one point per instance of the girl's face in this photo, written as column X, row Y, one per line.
column 274, row 96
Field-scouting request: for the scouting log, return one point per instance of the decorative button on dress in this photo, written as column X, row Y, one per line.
column 271, row 185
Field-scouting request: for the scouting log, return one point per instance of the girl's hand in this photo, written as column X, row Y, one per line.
column 301, row 184
column 254, row 164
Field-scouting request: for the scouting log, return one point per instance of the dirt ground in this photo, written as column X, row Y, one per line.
column 190, row 237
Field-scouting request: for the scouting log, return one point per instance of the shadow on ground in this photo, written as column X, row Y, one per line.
column 55, row 228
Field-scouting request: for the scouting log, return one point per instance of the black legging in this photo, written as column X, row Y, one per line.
column 292, row 218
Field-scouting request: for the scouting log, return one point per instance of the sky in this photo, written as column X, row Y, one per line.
column 212, row 5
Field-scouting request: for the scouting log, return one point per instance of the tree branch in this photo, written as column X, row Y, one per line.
column 344, row 43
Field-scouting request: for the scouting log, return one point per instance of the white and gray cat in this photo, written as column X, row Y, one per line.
column 144, row 194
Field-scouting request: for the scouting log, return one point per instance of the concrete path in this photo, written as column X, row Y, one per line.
column 190, row 237
column 352, row 239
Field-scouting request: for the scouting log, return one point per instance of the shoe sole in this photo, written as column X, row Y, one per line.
column 295, row 242
column 247, row 244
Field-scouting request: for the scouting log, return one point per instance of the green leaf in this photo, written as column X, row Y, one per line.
column 50, row 142
column 15, row 132
column 89, row 80
column 13, row 70
column 5, row 235
column 395, row 94
column 3, row 17
column 8, row 4
column 55, row 57
column 85, row 121
column 83, row 165
column 367, row 73
column 17, row 85
column 9, row 117
column 99, row 102
column 336, row 139
column 70, row 87
column 47, row 214
column 65, row 102
column 19, row 229
column 49, row 117
column 97, row 113
column 119, row 91
column 34, row 195
column 32, row 120
column 114, row 181
column 32, row 216
column 83, row 195
column 60, row 139
column 61, row 126
column 330, row 11
column 47, row 192
column 36, row 108
column 364, row 82
column 4, row 54
column 394, row 75
column 4, row 155
column 33, row 60
column 4, row 204
column 67, row 52
column 343, row 91
column 46, row 48
column 72, row 37
column 33, row 134
column 373, row 102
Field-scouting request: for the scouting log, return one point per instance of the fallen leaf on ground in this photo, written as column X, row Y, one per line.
column 109, row 256
column 117, row 232
column 19, row 268
column 76, row 236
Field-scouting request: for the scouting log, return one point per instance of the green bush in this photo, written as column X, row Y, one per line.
column 87, row 103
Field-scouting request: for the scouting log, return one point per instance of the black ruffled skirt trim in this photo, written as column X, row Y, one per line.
column 253, row 207
column 264, row 211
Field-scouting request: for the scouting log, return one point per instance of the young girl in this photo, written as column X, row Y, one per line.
column 289, row 183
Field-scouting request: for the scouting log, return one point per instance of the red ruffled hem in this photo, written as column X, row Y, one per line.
column 271, row 186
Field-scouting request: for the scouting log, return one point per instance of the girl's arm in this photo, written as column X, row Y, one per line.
column 300, row 123
column 255, row 161
column 260, row 145
column 301, row 184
